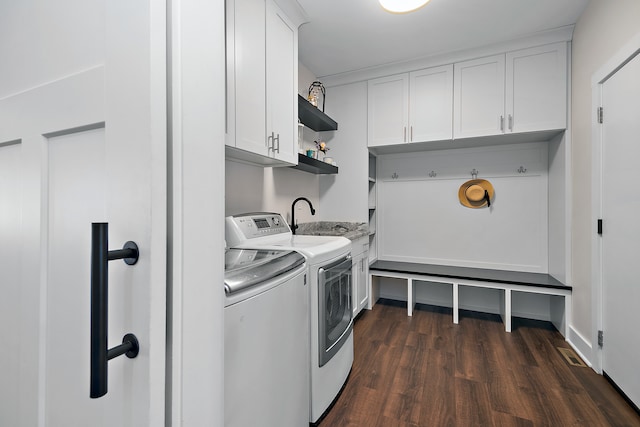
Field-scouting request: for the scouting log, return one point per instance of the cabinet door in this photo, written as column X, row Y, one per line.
column 478, row 104
column 431, row 104
column 388, row 110
column 363, row 282
column 282, row 100
column 246, row 18
column 536, row 88
column 355, row 285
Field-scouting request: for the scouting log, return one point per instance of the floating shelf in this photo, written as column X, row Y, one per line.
column 307, row 164
column 313, row 118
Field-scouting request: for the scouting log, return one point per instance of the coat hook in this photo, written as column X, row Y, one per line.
column 522, row 169
column 394, row 176
column 432, row 174
column 474, row 173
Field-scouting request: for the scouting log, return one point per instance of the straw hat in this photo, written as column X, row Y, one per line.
column 476, row 193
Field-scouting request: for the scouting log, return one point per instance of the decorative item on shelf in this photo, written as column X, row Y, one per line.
column 315, row 90
column 321, row 146
column 476, row 193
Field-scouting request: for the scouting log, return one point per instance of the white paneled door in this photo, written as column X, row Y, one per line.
column 76, row 147
column 621, row 229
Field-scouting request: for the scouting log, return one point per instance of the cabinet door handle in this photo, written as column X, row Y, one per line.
column 510, row 122
column 270, row 142
column 404, row 134
column 277, row 147
column 411, row 134
column 501, row 123
column 100, row 353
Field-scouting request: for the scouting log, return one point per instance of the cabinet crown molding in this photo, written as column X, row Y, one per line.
column 562, row 34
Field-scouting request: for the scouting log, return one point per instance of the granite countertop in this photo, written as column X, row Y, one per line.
column 350, row 230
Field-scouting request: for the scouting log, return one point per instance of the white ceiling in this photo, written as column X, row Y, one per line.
column 349, row 35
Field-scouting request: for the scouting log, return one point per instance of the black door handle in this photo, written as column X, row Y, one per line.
column 100, row 352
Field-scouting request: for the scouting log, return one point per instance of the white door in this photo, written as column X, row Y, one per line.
column 388, row 110
column 478, row 99
column 621, row 229
column 431, row 104
column 82, row 140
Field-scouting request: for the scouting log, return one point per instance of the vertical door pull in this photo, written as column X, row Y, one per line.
column 276, row 148
column 100, row 352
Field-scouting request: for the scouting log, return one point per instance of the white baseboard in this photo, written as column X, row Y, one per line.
column 580, row 345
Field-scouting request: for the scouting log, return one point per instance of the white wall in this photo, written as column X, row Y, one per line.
column 305, row 78
column 422, row 220
column 344, row 197
column 255, row 189
column 603, row 28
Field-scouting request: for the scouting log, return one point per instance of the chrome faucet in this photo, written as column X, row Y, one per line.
column 293, row 214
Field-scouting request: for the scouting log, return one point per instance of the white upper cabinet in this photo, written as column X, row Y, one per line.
column 282, row 96
column 262, row 64
column 536, row 89
column 431, row 104
column 520, row 91
column 478, row 97
column 410, row 107
column 246, row 77
column 388, row 110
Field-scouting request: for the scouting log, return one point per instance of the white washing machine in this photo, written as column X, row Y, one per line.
column 266, row 339
column 330, row 280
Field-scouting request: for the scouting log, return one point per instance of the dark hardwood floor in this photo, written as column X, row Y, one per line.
column 426, row 371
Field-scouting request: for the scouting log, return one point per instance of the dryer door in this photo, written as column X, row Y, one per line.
column 334, row 307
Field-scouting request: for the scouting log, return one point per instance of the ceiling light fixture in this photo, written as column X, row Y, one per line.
column 402, row 6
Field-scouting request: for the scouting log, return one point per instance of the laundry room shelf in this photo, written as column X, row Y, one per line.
column 313, row 118
column 307, row 164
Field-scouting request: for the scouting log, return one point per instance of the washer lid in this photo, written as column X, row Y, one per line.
column 244, row 268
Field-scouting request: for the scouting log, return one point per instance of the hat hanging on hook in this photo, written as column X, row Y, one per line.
column 476, row 193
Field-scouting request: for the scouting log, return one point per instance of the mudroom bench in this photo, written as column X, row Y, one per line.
column 507, row 281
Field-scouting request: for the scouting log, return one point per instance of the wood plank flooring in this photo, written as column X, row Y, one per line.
column 426, row 371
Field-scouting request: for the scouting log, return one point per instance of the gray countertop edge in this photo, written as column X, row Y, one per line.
column 350, row 230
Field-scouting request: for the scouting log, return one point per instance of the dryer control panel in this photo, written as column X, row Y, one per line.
column 240, row 228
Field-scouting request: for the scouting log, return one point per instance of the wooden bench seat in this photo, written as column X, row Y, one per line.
column 507, row 281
